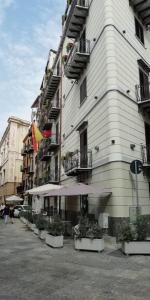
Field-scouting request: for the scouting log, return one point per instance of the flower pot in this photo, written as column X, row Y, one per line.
column 136, row 247
column 89, row 244
column 31, row 226
column 42, row 234
column 23, row 220
column 54, row 241
column 36, row 231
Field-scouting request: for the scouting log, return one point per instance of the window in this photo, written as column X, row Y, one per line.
column 144, row 84
column 83, row 91
column 139, row 31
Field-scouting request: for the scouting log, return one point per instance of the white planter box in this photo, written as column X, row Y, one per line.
column 42, row 234
column 54, row 241
column 36, row 231
column 89, row 244
column 136, row 247
column 31, row 226
column 23, row 220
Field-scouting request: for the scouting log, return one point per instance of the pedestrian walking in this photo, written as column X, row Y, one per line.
column 6, row 214
column 1, row 210
column 11, row 214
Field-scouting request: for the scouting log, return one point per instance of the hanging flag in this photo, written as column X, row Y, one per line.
column 34, row 140
column 37, row 133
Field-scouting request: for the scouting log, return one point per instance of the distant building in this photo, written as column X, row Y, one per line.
column 10, row 156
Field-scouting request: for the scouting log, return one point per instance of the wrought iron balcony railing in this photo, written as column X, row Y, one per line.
column 76, row 17
column 78, row 162
column 77, row 59
column 54, row 108
column 143, row 96
column 142, row 8
column 145, row 151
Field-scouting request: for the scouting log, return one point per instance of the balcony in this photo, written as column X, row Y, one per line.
column 143, row 97
column 145, row 151
column 54, row 108
column 52, row 177
column 30, row 148
column 52, row 85
column 30, row 170
column 52, row 142
column 44, row 154
column 22, row 169
column 77, row 163
column 24, row 151
column 77, row 59
column 76, row 18
column 142, row 8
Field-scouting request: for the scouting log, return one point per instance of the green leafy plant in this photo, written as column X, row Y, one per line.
column 135, row 232
column 41, row 223
column 69, row 47
column 56, row 228
column 87, row 229
column 126, row 233
column 69, row 2
column 140, row 228
column 64, row 58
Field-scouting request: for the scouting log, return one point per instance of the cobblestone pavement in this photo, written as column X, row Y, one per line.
column 30, row 270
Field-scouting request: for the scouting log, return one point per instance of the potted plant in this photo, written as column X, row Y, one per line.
column 134, row 237
column 41, row 225
column 55, row 229
column 64, row 59
column 69, row 47
column 88, row 236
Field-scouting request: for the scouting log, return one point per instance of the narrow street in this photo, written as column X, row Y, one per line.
column 30, row 270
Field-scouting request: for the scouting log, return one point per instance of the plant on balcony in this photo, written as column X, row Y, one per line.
column 64, row 19
column 68, row 155
column 64, row 59
column 48, row 73
column 69, row 47
column 69, row 2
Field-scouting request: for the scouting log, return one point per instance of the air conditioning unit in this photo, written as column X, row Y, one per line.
column 103, row 220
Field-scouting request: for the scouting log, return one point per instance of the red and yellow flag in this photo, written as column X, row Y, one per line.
column 36, row 136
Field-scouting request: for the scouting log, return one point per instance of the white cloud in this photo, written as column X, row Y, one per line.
column 24, row 62
column 4, row 5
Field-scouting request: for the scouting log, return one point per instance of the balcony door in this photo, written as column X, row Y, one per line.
column 147, row 138
column 144, row 85
column 83, row 42
column 56, row 168
column 83, row 149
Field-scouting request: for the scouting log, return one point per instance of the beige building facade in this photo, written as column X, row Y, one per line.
column 10, row 156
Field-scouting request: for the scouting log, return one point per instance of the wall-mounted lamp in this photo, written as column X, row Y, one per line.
column 123, row 31
column 96, row 148
column 113, row 142
column 132, row 146
column 72, row 126
column 95, row 97
column 128, row 91
column 94, row 40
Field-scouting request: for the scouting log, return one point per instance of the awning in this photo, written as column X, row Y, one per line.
column 43, row 189
column 79, row 189
column 13, row 199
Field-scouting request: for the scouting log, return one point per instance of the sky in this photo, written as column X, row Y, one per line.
column 28, row 30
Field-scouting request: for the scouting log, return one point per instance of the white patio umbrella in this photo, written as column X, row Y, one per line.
column 14, row 199
column 43, row 189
